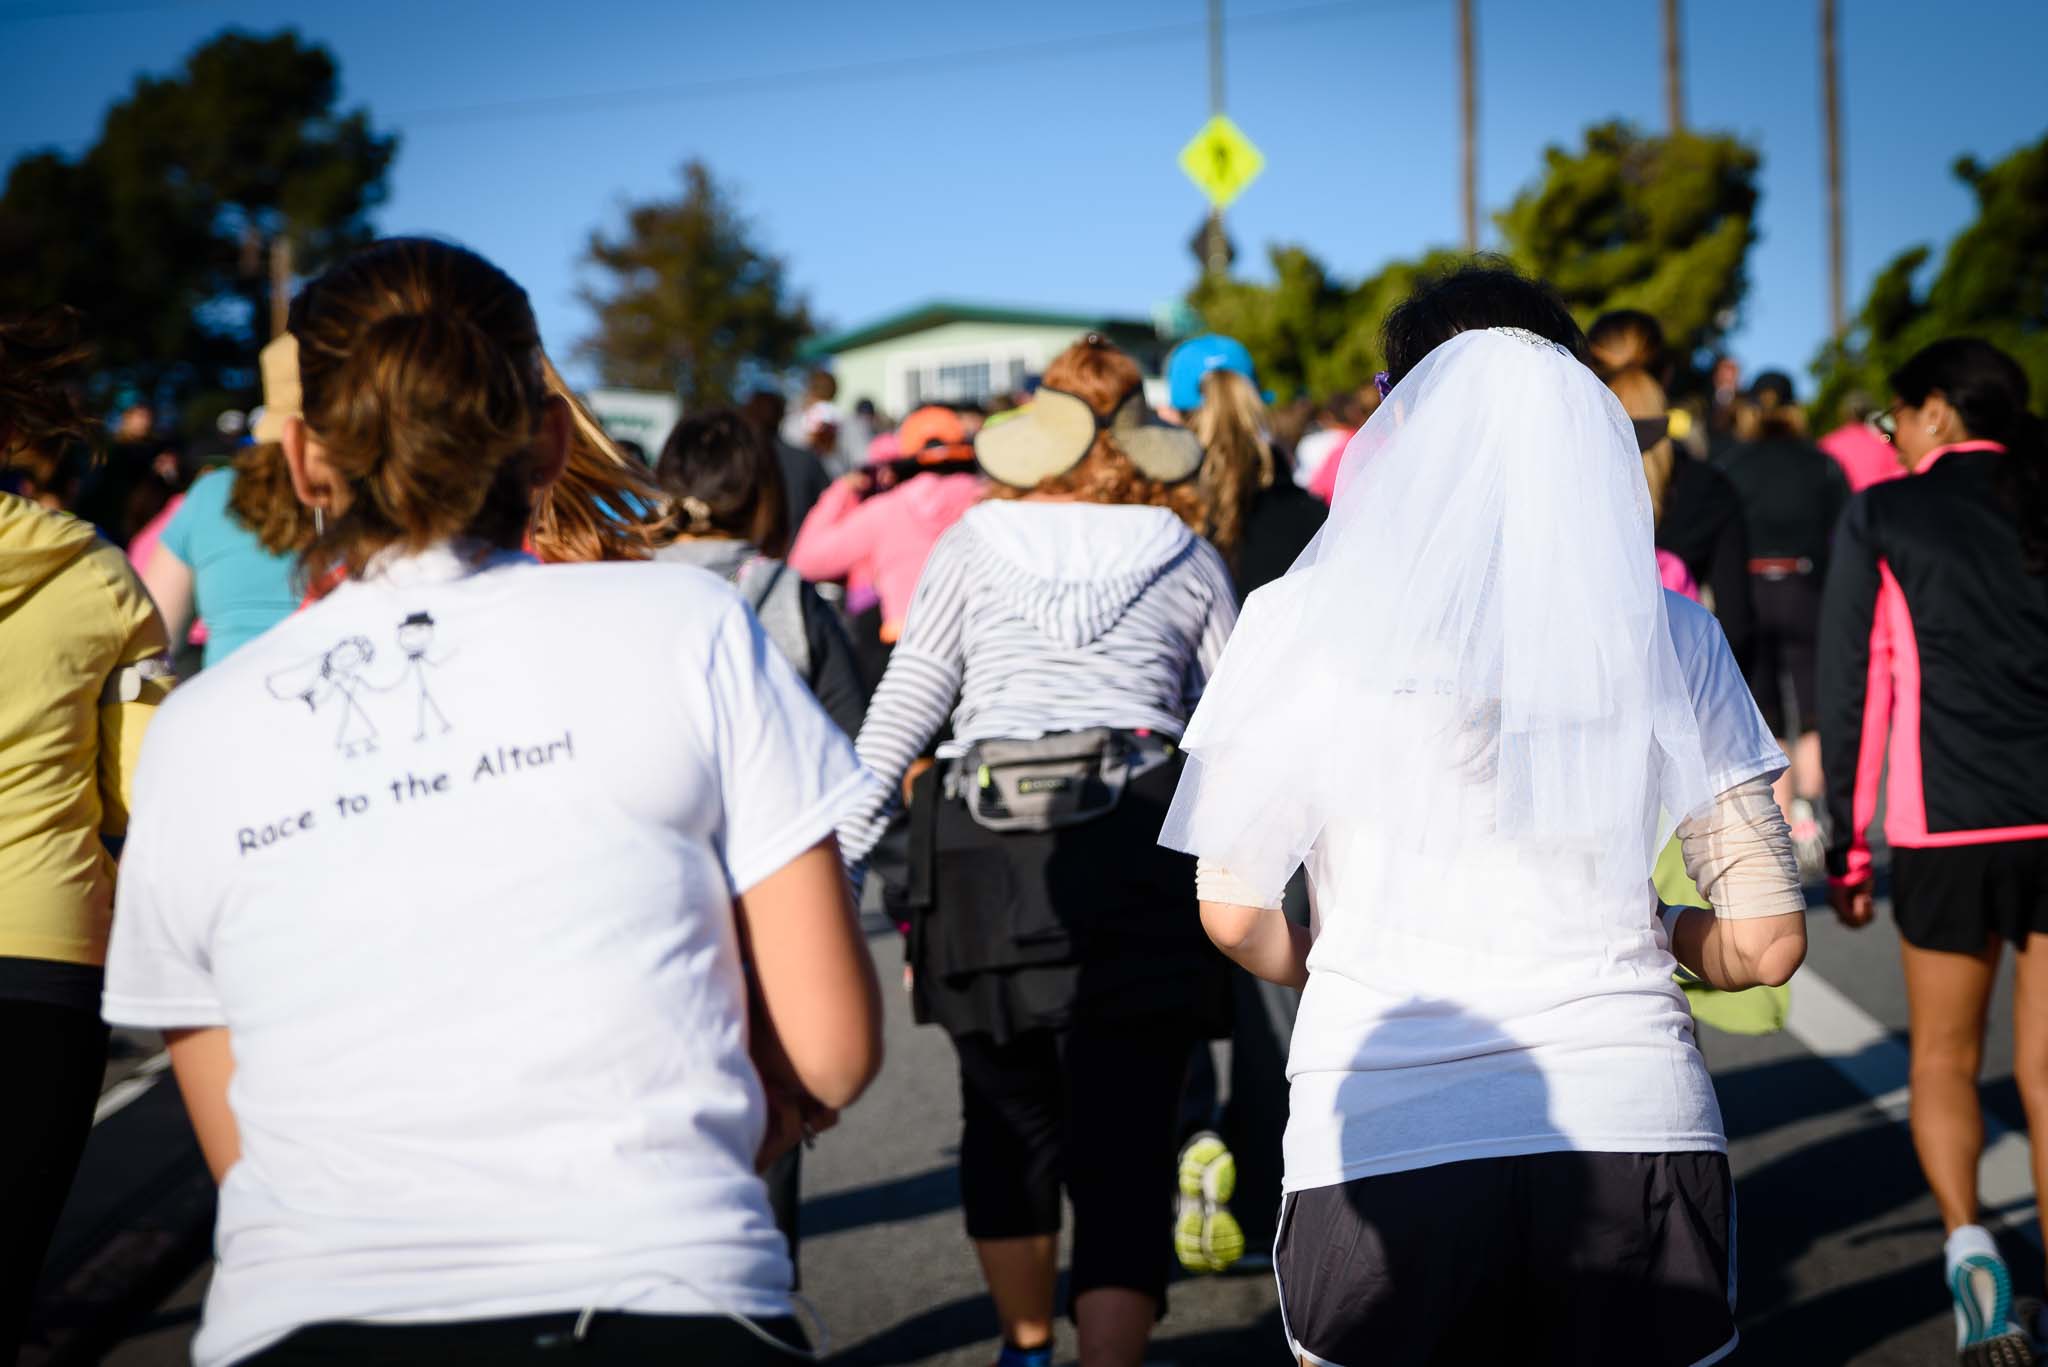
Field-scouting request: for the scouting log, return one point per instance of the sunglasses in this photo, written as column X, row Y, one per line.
column 1886, row 424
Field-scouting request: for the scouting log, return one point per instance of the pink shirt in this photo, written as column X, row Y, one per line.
column 1324, row 484
column 883, row 540
column 1865, row 457
column 1673, row 575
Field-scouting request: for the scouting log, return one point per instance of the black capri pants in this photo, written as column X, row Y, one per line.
column 1089, row 1107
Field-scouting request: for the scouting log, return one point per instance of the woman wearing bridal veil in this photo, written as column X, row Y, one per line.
column 1474, row 716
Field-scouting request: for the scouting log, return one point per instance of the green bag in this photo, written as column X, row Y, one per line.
column 1758, row 1011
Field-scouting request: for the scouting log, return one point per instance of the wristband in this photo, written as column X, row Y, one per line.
column 1670, row 916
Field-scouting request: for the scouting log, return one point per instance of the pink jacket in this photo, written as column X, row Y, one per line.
column 884, row 540
column 1865, row 457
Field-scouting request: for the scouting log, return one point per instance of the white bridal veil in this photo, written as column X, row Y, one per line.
column 1471, row 662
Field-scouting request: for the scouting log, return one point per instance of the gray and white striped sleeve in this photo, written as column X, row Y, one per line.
column 1212, row 578
column 916, row 694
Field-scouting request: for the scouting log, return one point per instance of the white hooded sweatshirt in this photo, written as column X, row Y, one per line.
column 1037, row 618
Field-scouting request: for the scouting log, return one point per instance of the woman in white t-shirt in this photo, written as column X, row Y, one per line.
column 456, row 954
column 1463, row 711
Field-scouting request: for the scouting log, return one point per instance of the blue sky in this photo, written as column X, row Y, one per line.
column 1026, row 154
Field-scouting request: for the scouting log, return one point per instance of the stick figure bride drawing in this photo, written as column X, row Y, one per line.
column 334, row 677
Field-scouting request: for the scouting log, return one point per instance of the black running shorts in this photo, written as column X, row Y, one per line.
column 1957, row 897
column 1565, row 1259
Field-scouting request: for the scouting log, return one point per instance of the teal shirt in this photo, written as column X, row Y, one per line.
column 239, row 589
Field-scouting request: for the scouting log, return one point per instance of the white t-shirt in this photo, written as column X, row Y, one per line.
column 1512, row 1019
column 452, row 855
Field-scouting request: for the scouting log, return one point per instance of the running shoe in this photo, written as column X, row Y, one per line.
column 1987, row 1334
column 1206, row 1236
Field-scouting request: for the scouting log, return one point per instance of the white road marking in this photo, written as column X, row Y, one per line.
column 126, row 1090
column 1828, row 1023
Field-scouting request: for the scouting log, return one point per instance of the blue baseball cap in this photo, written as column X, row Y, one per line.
column 1196, row 357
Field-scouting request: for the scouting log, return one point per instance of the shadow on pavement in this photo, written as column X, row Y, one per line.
column 1823, row 1190
column 1838, row 1325
column 910, row 1197
column 1261, row 1342
column 1754, row 1099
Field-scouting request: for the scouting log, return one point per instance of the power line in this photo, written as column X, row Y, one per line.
column 847, row 73
column 853, row 72
column 10, row 14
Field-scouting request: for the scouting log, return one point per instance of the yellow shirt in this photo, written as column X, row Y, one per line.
column 74, row 623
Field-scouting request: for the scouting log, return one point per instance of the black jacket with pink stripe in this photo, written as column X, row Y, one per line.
column 1932, row 630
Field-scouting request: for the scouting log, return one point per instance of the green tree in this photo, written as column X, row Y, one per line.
column 690, row 299
column 1308, row 332
column 1662, row 224
column 163, row 232
column 1992, row 283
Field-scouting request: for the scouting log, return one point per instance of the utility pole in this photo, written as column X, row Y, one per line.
column 280, row 283
column 1674, row 71
column 1218, row 243
column 1831, row 113
column 1469, row 109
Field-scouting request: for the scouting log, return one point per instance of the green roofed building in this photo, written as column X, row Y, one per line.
column 947, row 352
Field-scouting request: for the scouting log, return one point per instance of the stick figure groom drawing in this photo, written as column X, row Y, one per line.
column 416, row 639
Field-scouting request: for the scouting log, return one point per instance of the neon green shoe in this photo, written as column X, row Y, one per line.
column 1206, row 1236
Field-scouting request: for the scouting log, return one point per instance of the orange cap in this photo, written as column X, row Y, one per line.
column 932, row 427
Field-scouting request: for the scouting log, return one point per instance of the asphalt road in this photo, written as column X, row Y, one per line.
column 1840, row 1245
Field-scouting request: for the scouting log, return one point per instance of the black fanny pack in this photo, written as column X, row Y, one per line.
column 1054, row 781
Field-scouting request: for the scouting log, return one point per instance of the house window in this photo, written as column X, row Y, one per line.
column 968, row 381
column 1016, row 374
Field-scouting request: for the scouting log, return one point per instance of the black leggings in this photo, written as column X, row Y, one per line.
column 1785, row 652
column 52, row 1059
column 541, row 1340
column 1091, row 1107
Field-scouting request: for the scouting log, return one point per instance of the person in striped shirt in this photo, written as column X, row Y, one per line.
column 1062, row 951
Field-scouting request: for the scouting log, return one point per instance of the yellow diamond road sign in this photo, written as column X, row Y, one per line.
column 1221, row 160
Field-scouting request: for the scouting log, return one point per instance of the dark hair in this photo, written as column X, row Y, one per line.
column 420, row 367
column 1624, row 339
column 1988, row 391
column 1486, row 294
column 40, row 361
column 718, row 459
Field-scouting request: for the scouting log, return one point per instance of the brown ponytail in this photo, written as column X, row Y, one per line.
column 606, row 506
column 261, row 499
column 420, row 363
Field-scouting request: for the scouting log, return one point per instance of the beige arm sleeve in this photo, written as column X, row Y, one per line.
column 1740, row 854
column 1214, row 883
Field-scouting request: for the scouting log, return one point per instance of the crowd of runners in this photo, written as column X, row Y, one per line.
column 482, row 812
